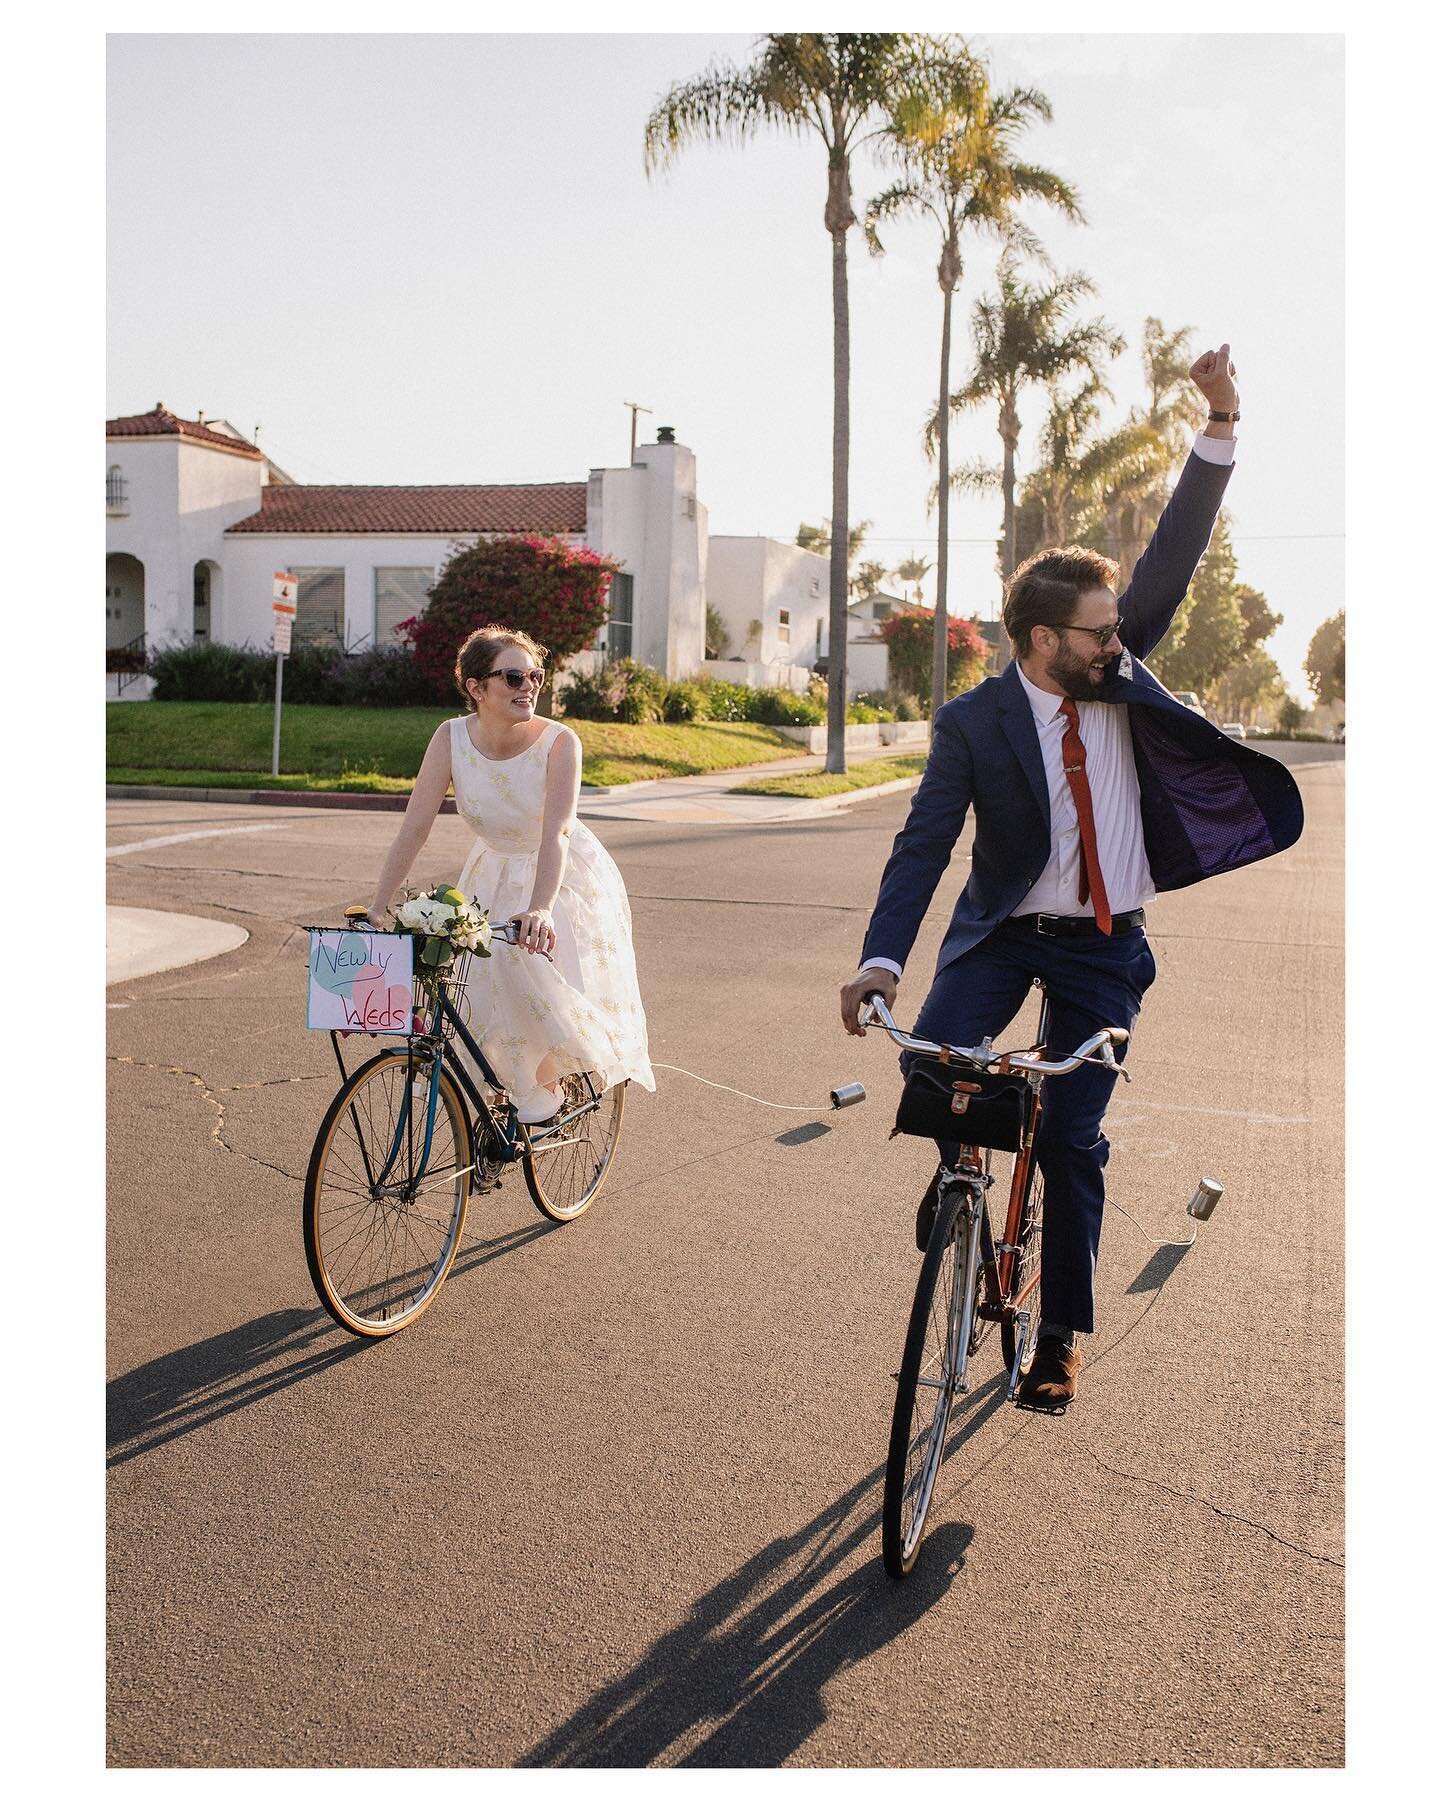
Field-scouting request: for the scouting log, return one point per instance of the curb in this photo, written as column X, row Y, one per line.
column 269, row 797
column 398, row 802
column 833, row 802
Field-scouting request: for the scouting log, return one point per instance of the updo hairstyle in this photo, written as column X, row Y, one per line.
column 477, row 655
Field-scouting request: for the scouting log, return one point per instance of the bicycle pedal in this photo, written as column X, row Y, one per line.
column 1051, row 1412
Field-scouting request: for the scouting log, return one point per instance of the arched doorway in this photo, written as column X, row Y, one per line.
column 124, row 601
column 205, row 618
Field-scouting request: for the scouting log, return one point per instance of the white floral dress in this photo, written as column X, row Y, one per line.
column 583, row 1009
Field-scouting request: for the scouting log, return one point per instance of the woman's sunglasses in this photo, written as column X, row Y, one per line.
column 518, row 678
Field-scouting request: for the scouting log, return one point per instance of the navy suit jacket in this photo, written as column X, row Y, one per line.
column 1208, row 802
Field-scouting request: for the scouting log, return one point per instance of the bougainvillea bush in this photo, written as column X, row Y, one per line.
column 909, row 633
column 557, row 592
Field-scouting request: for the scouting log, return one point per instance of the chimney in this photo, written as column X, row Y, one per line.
column 665, row 435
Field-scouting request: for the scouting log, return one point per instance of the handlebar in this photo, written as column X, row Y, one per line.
column 873, row 1011
column 357, row 918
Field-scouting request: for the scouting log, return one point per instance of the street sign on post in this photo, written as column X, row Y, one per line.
column 283, row 608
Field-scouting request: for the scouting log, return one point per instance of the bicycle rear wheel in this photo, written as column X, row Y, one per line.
column 382, row 1221
column 925, row 1387
column 566, row 1167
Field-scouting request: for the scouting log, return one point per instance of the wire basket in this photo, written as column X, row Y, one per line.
column 434, row 980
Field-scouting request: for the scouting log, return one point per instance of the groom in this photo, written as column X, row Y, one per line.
column 1092, row 788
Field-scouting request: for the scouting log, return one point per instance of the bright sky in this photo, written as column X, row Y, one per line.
column 439, row 259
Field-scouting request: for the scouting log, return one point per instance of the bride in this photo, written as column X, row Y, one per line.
column 567, row 1002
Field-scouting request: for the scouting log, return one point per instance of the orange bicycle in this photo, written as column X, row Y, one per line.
column 968, row 1280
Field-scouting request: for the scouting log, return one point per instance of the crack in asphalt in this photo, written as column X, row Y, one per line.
column 1337, row 1562
column 217, row 1129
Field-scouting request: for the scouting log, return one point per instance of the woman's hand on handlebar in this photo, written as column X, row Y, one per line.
column 855, row 992
column 536, row 930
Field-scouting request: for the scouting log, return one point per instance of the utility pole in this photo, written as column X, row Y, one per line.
column 635, row 411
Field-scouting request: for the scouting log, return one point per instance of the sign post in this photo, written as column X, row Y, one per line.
column 283, row 607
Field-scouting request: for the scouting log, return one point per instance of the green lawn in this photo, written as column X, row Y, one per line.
column 817, row 786
column 377, row 749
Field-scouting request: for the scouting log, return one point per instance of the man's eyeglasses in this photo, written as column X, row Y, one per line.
column 518, row 678
column 1102, row 634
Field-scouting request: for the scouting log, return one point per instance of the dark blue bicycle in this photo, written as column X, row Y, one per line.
column 410, row 1136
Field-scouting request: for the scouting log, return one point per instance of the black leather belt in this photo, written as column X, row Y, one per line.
column 1058, row 925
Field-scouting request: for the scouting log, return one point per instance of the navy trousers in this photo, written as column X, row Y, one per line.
column 1092, row 981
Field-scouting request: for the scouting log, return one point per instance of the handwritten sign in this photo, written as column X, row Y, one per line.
column 360, row 981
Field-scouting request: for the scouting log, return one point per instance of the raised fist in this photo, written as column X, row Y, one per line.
column 1214, row 375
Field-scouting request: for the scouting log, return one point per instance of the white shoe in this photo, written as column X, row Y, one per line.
column 539, row 1104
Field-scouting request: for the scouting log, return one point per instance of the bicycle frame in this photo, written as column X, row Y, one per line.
column 1000, row 1266
column 503, row 1134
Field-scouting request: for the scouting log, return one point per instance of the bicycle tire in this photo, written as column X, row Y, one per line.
column 924, row 1390
column 380, row 1238
column 567, row 1167
column 1032, row 1226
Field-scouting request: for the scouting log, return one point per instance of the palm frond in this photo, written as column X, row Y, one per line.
column 1034, row 183
column 976, row 478
column 894, row 203
column 724, row 105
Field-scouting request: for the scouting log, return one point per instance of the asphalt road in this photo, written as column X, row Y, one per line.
column 615, row 1499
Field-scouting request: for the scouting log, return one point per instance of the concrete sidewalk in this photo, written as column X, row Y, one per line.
column 139, row 942
column 680, row 799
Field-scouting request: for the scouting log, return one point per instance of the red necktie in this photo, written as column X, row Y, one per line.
column 1072, row 754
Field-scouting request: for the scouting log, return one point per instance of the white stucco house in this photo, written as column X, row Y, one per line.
column 198, row 520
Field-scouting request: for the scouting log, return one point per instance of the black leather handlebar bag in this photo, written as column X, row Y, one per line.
column 964, row 1106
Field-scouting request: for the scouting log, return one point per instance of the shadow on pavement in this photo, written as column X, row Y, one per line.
column 804, row 1134
column 187, row 1389
column 740, row 1684
column 1161, row 1266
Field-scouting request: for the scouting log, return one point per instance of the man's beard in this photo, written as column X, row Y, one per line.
column 1073, row 674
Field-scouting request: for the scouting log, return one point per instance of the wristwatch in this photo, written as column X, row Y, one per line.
column 1219, row 418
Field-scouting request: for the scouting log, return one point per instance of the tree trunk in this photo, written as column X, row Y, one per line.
column 939, row 659
column 1009, row 437
column 840, row 480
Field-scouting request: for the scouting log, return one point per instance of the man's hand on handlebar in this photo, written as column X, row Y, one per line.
column 855, row 992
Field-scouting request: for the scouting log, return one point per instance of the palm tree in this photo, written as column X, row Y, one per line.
column 913, row 569
column 955, row 142
column 1170, row 417
column 867, row 580
column 1024, row 335
column 1081, row 476
column 837, row 85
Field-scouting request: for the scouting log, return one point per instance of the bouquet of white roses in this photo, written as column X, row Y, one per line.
column 448, row 922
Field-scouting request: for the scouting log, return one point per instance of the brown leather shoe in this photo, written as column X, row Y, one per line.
column 1054, row 1377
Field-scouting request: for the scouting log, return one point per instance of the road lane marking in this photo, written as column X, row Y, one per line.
column 185, row 837
column 1212, row 1112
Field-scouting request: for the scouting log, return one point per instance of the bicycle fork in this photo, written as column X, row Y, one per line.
column 962, row 1303
column 1024, row 1319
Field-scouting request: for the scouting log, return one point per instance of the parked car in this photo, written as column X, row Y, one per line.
column 1192, row 700
column 1234, row 730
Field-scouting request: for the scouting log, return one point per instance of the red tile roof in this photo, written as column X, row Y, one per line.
column 163, row 423
column 432, row 511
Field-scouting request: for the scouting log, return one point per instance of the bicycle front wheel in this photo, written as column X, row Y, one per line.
column 382, row 1219
column 566, row 1166
column 925, row 1387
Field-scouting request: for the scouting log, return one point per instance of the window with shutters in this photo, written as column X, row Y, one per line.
column 319, row 605
column 620, row 632
column 399, row 594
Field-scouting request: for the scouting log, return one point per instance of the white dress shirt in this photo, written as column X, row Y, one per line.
column 1114, row 794
column 1114, row 799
